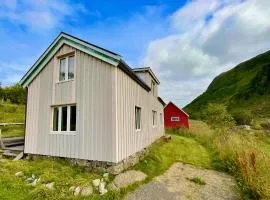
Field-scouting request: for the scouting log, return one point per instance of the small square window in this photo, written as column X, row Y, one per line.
column 175, row 119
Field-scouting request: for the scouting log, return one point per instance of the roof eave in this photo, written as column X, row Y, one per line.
column 147, row 69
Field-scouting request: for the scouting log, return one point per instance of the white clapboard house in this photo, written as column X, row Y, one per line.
column 85, row 102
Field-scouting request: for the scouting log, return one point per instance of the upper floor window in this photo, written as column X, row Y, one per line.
column 175, row 119
column 66, row 71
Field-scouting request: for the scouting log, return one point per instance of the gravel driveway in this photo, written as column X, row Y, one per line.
column 174, row 184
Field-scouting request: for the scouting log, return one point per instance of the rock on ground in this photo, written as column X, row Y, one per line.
column 19, row 173
column 96, row 182
column 50, row 185
column 173, row 184
column 77, row 191
column 86, row 191
column 128, row 178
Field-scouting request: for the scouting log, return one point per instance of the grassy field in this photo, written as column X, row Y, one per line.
column 12, row 113
column 244, row 154
column 162, row 154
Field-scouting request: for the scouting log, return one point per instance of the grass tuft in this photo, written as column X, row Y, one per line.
column 197, row 180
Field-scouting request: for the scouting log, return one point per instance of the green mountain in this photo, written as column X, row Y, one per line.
column 246, row 86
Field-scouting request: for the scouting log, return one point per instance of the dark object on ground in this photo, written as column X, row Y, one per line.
column 167, row 137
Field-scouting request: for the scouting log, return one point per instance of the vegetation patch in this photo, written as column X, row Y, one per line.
column 238, row 152
column 180, row 149
column 197, row 180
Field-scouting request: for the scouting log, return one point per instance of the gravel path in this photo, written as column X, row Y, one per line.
column 174, row 184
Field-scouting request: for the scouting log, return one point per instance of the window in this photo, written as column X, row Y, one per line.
column 55, row 118
column 70, row 67
column 154, row 117
column 175, row 119
column 72, row 118
column 161, row 118
column 153, row 87
column 62, row 74
column 66, row 71
column 137, row 118
column 64, row 118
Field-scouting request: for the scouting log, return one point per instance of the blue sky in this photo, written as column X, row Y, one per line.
column 187, row 43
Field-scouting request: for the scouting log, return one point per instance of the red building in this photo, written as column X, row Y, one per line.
column 174, row 116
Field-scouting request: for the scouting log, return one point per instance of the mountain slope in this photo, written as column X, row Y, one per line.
column 246, row 86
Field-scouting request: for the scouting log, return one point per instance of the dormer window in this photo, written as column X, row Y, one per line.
column 66, row 70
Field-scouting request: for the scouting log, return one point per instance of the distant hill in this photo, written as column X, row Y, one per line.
column 246, row 86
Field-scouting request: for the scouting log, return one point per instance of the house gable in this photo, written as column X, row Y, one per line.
column 172, row 104
column 63, row 38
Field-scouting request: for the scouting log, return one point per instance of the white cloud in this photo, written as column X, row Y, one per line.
column 208, row 37
column 39, row 14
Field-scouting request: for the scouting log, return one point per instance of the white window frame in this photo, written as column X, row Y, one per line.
column 140, row 120
column 175, row 119
column 154, row 118
column 59, row 131
column 66, row 58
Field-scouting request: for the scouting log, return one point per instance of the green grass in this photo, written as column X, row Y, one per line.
column 197, row 180
column 12, row 113
column 161, row 156
column 12, row 130
column 49, row 170
column 180, row 149
column 243, row 154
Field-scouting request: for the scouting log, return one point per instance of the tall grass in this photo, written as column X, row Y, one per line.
column 235, row 152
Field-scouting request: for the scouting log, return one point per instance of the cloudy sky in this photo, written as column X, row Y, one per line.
column 186, row 43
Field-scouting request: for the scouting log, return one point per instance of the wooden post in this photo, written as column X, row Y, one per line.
column 1, row 142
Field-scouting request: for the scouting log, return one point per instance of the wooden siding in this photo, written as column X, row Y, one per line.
column 129, row 95
column 92, row 91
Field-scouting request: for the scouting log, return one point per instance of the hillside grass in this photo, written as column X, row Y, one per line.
column 12, row 113
column 246, row 87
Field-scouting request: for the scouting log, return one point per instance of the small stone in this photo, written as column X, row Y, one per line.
column 72, row 189
column 34, row 183
column 30, row 179
column 49, row 185
column 86, row 191
column 77, row 191
column 105, row 175
column 33, row 176
column 104, row 191
column 112, row 187
column 19, row 174
column 101, row 187
column 96, row 182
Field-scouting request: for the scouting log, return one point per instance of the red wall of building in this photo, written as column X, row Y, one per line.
column 173, row 111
